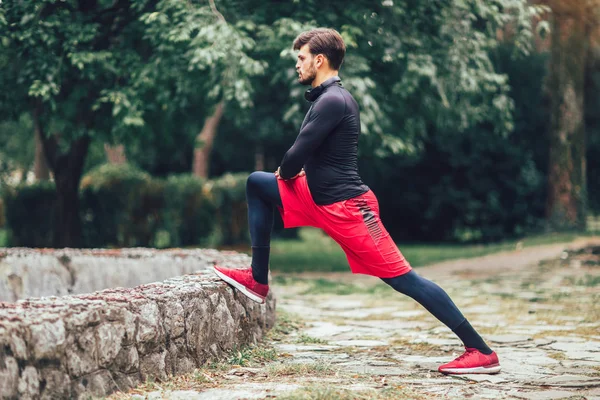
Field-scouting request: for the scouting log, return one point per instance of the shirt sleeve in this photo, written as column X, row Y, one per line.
column 325, row 115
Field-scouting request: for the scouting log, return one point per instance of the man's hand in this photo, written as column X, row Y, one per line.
column 301, row 173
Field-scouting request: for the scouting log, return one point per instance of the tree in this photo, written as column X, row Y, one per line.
column 572, row 23
column 100, row 70
column 416, row 67
column 141, row 73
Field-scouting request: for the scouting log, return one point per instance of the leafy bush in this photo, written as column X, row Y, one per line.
column 121, row 206
column 2, row 217
column 189, row 212
column 30, row 214
column 229, row 195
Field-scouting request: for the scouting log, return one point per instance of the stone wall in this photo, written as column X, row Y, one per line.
column 77, row 346
column 28, row 273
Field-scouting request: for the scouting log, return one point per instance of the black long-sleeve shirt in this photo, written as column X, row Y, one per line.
column 327, row 146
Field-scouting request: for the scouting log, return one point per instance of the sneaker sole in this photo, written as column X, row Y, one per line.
column 490, row 369
column 249, row 293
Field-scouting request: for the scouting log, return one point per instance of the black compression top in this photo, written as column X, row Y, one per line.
column 327, row 145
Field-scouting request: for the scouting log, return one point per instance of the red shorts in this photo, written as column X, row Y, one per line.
column 354, row 224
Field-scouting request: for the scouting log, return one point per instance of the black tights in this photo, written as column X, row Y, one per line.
column 262, row 194
column 440, row 305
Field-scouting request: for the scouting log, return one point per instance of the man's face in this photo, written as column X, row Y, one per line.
column 305, row 66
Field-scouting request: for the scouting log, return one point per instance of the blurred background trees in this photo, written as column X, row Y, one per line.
column 479, row 119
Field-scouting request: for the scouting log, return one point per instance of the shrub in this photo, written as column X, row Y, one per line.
column 229, row 196
column 189, row 212
column 2, row 217
column 30, row 214
column 121, row 206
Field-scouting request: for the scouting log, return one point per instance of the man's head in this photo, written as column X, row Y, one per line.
column 321, row 53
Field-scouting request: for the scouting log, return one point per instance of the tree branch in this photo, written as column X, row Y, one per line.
column 213, row 7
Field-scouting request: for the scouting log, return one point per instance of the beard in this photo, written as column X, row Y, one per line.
column 309, row 76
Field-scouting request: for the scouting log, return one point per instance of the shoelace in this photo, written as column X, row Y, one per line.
column 465, row 355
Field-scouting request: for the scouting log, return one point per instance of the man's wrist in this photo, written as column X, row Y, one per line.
column 278, row 174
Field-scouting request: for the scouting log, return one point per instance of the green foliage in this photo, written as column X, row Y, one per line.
column 189, row 213
column 119, row 72
column 229, row 195
column 2, row 216
column 477, row 186
column 121, row 206
column 30, row 212
column 16, row 145
column 454, row 130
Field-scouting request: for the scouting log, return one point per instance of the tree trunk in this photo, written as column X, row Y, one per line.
column 204, row 142
column 115, row 154
column 67, row 169
column 68, row 222
column 40, row 166
column 259, row 159
column 567, row 197
column 67, row 174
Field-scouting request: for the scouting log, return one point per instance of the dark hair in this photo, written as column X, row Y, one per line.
column 323, row 41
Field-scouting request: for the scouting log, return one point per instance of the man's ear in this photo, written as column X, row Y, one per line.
column 320, row 60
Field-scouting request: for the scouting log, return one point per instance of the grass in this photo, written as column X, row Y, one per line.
column 558, row 355
column 252, row 355
column 587, row 280
column 322, row 285
column 314, row 251
column 285, row 323
column 3, row 237
column 318, row 368
column 322, row 392
column 305, row 339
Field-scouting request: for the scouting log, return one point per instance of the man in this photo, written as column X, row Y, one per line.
column 318, row 184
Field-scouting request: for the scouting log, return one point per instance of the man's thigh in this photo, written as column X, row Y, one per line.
column 265, row 185
column 297, row 206
column 368, row 246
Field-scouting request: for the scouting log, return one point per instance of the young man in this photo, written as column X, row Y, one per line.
column 318, row 184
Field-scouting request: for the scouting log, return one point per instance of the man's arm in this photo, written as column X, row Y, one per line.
column 323, row 118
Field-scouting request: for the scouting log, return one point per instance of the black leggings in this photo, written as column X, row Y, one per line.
column 262, row 194
column 430, row 296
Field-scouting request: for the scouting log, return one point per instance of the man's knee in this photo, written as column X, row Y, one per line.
column 403, row 282
column 258, row 181
column 253, row 181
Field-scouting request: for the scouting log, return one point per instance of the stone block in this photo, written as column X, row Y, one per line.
column 9, row 377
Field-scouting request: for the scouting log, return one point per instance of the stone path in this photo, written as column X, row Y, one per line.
column 360, row 339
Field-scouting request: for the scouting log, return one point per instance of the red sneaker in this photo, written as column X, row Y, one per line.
column 472, row 362
column 243, row 280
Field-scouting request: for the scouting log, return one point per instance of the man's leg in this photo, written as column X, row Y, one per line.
column 262, row 194
column 439, row 304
